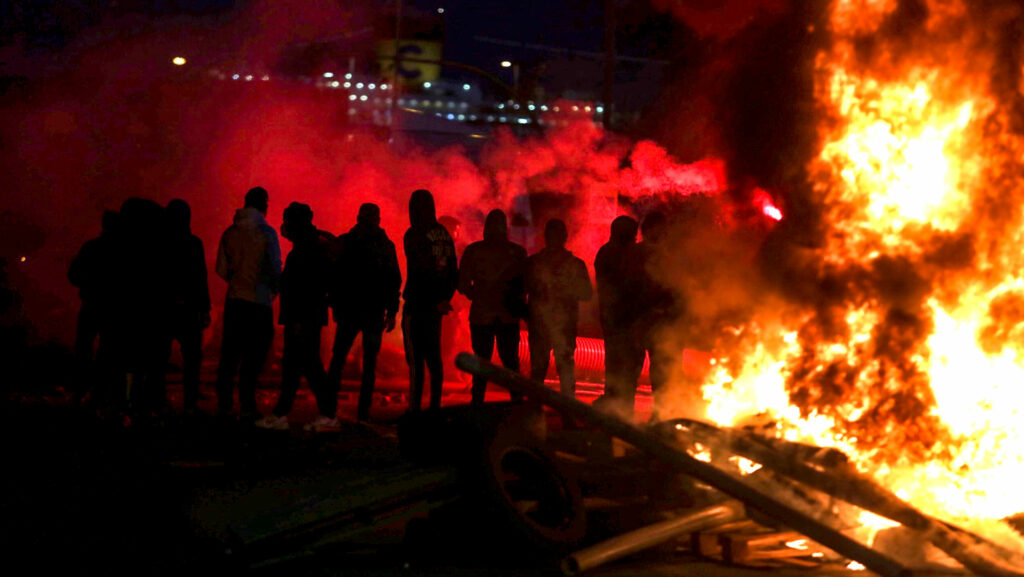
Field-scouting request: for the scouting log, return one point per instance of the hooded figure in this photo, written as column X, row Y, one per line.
column 303, row 315
column 491, row 277
column 140, row 294
column 249, row 259
column 619, row 273
column 364, row 295
column 431, row 275
column 92, row 271
column 659, row 309
column 190, row 297
column 556, row 282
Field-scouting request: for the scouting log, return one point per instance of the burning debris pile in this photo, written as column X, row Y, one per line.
column 896, row 336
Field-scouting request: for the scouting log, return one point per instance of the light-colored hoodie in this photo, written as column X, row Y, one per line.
column 249, row 258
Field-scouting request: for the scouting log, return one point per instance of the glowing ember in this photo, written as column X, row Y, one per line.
column 910, row 360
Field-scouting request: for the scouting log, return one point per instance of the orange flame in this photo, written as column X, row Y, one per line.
column 911, row 360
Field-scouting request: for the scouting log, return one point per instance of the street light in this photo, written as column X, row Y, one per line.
column 178, row 61
column 506, row 64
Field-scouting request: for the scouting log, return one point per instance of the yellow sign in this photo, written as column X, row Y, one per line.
column 410, row 72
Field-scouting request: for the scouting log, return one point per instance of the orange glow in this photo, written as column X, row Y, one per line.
column 913, row 365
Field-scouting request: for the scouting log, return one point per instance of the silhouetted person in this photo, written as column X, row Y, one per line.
column 141, row 297
column 249, row 259
column 364, row 296
column 91, row 272
column 659, row 308
column 491, row 276
column 189, row 298
column 303, row 314
column 556, row 282
column 431, row 275
column 619, row 275
column 454, row 325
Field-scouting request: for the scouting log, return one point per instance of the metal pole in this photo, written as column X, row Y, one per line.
column 670, row 455
column 609, row 62
column 650, row 536
column 395, row 91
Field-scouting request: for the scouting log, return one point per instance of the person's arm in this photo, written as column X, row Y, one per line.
column 465, row 272
column 583, row 289
column 274, row 253
column 77, row 270
column 392, row 282
column 223, row 267
column 201, row 284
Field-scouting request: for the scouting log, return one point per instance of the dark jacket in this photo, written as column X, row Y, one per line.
column 491, row 276
column 305, row 278
column 431, row 268
column 556, row 282
column 658, row 303
column 92, row 270
column 366, row 276
column 190, row 291
column 619, row 273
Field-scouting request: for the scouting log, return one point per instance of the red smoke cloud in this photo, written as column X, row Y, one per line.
column 122, row 122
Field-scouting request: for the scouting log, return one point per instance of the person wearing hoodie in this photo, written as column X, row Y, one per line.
column 91, row 272
column 189, row 299
column 249, row 259
column 431, row 276
column 660, row 309
column 491, row 277
column 618, row 270
column 303, row 315
column 556, row 282
column 364, row 297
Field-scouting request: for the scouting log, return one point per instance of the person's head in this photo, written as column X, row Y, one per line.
column 496, row 225
column 422, row 213
column 624, row 229
column 141, row 217
column 555, row 233
column 179, row 215
column 369, row 215
column 653, row 227
column 257, row 198
column 297, row 218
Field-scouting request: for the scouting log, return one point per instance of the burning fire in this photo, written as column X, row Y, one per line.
column 910, row 358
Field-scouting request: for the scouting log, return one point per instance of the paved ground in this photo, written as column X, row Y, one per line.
column 84, row 497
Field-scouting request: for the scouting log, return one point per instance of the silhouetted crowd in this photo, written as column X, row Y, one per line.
column 143, row 285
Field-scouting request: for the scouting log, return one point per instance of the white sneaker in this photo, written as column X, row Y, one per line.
column 322, row 423
column 273, row 422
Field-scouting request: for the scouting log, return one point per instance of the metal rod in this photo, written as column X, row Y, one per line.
column 650, row 536
column 843, row 481
column 680, row 461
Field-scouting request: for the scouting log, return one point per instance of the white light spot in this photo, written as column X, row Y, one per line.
column 328, row 75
